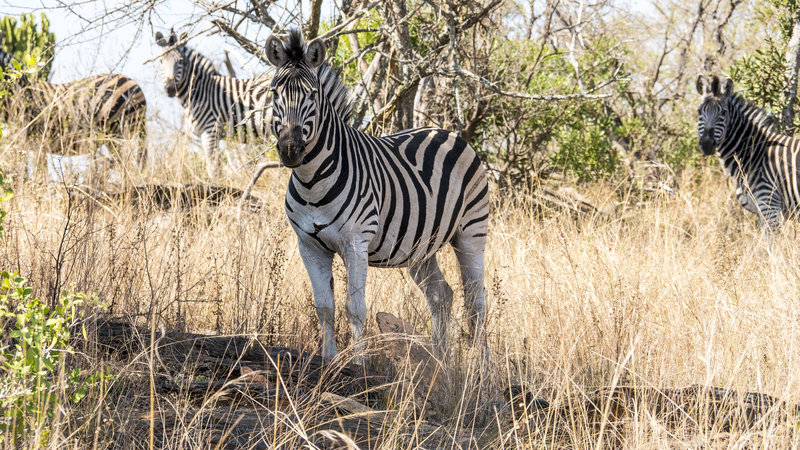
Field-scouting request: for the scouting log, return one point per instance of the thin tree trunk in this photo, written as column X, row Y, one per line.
column 229, row 65
column 422, row 100
column 312, row 28
column 396, row 14
column 792, row 67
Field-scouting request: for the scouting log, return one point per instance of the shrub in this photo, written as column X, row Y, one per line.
column 31, row 354
column 28, row 43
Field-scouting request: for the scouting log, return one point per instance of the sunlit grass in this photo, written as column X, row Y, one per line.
column 665, row 292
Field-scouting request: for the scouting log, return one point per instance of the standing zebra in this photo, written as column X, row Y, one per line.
column 216, row 103
column 107, row 107
column 763, row 162
column 388, row 201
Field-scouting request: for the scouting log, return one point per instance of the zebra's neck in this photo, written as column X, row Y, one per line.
column 745, row 138
column 327, row 155
column 200, row 76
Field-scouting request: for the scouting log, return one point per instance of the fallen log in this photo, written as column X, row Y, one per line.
column 172, row 197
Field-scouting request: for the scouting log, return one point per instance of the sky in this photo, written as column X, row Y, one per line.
column 90, row 42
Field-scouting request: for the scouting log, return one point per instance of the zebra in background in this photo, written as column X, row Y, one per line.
column 389, row 201
column 6, row 59
column 763, row 162
column 108, row 107
column 216, row 103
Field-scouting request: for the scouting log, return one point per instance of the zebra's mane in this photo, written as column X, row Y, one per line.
column 336, row 91
column 198, row 60
column 757, row 115
column 295, row 47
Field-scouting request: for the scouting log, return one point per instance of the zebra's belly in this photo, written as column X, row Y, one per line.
column 396, row 246
column 385, row 246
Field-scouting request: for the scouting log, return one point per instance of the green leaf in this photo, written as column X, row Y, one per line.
column 79, row 394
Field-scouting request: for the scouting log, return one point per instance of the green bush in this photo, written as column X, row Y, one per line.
column 28, row 43
column 34, row 340
column 761, row 76
column 29, row 364
column 585, row 151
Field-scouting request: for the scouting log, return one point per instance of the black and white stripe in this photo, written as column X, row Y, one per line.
column 390, row 201
column 109, row 107
column 763, row 162
column 218, row 105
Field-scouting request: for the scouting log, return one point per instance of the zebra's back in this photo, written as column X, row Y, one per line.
column 244, row 108
column 444, row 185
column 110, row 103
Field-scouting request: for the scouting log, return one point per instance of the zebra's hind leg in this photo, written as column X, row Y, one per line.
column 141, row 145
column 355, row 257
column 439, row 296
column 210, row 141
column 470, row 254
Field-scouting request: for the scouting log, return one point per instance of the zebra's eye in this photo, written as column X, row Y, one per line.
column 313, row 94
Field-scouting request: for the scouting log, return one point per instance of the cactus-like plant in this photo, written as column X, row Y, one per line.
column 29, row 42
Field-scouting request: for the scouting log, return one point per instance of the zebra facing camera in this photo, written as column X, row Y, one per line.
column 713, row 87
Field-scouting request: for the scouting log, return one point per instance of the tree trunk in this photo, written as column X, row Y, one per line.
column 229, row 65
column 312, row 27
column 792, row 67
column 422, row 102
column 396, row 12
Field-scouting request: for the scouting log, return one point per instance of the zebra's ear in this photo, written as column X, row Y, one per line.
column 184, row 37
column 276, row 52
column 715, row 85
column 700, row 84
column 315, row 53
column 728, row 87
column 160, row 39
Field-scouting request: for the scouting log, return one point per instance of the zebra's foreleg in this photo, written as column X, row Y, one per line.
column 355, row 261
column 210, row 141
column 439, row 296
column 318, row 265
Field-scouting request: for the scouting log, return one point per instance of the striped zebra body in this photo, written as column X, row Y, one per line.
column 218, row 105
column 109, row 107
column 764, row 163
column 390, row 201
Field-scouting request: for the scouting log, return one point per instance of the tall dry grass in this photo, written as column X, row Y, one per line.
column 667, row 291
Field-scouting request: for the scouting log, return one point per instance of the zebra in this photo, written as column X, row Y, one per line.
column 763, row 162
column 6, row 59
column 216, row 103
column 112, row 105
column 389, row 201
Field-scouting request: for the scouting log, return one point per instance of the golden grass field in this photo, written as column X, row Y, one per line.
column 667, row 291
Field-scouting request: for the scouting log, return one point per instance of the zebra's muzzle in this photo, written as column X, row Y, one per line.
column 291, row 147
column 707, row 145
column 170, row 87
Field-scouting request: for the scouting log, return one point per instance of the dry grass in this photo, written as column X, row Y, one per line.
column 669, row 292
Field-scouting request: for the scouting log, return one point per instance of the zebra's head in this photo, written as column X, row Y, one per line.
column 173, row 64
column 712, row 115
column 5, row 58
column 295, row 94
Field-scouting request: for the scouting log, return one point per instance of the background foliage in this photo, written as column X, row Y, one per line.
column 30, row 42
